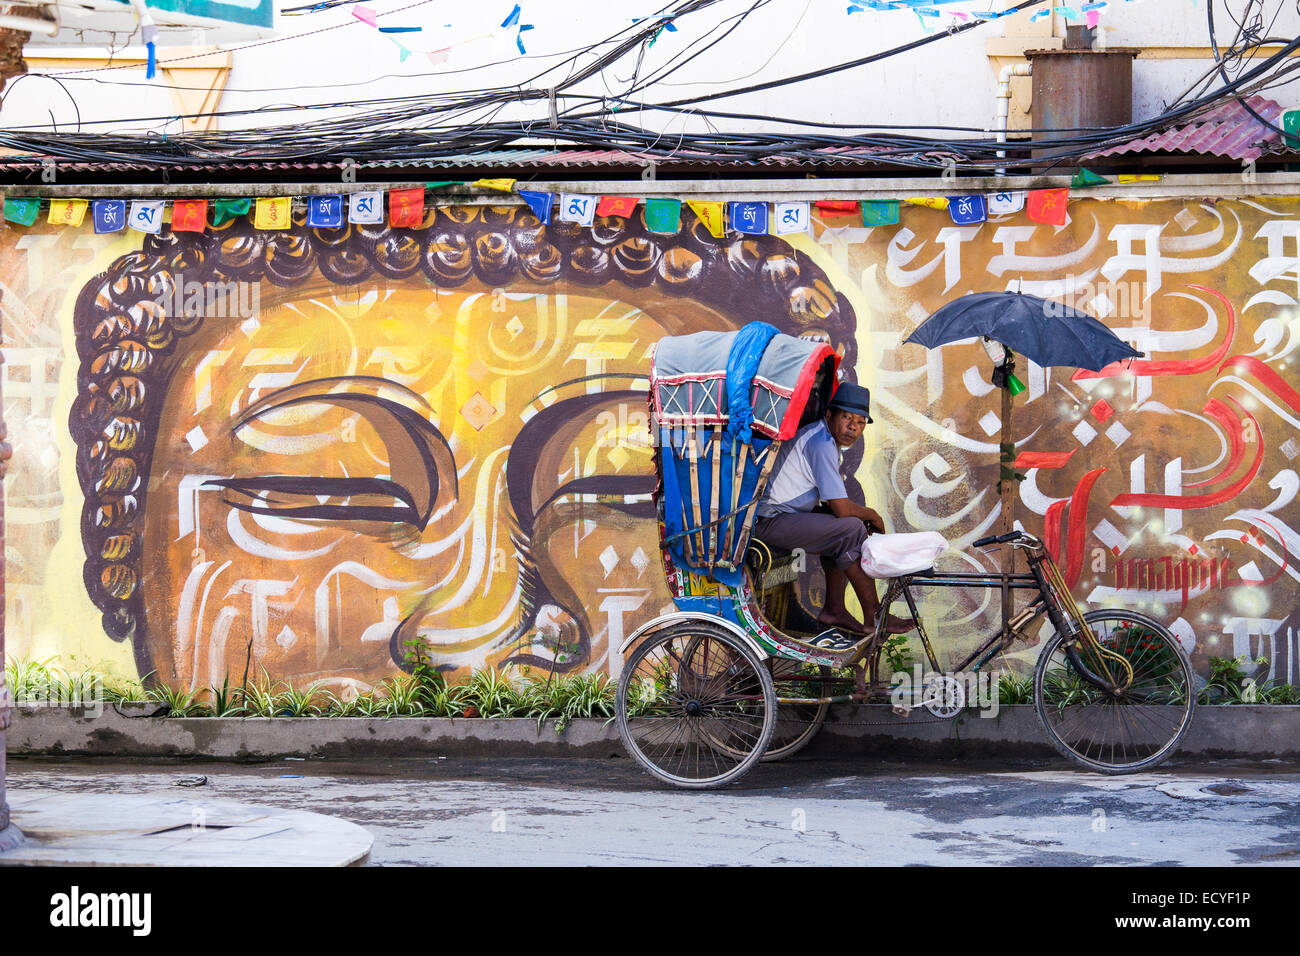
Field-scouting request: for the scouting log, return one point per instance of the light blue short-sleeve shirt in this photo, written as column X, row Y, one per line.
column 806, row 473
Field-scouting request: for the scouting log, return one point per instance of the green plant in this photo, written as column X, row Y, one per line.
column 224, row 703
column 1015, row 690
column 897, row 654
column 292, row 702
column 178, row 701
column 490, row 694
column 401, row 697
column 565, row 698
column 1229, row 683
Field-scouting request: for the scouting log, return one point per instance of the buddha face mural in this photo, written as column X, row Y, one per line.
column 434, row 436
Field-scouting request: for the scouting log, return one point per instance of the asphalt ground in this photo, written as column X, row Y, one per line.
column 803, row 812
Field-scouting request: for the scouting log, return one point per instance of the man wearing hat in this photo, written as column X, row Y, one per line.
column 807, row 507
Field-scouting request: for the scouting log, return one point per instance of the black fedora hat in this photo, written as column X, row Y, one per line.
column 853, row 398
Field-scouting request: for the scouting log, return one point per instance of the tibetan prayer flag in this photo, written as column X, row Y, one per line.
column 109, row 215
column 67, row 212
column 189, row 215
column 1138, row 177
column 539, row 203
column 438, row 184
column 967, row 210
column 790, row 217
column 325, row 212
column 1002, row 204
column 226, row 209
column 21, row 211
column 712, row 214
column 146, row 216
column 500, row 185
column 749, row 217
column 406, row 208
column 576, row 208
column 366, row 208
column 616, row 206
column 273, row 213
column 931, row 202
column 880, row 212
column 1086, row 177
column 843, row 207
column 663, row 215
column 1048, row 205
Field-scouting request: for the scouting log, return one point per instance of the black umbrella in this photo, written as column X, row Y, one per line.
column 1046, row 332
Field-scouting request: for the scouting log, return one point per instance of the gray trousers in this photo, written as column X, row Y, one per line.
column 838, row 540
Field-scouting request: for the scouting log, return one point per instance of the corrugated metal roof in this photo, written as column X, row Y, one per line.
column 1227, row 130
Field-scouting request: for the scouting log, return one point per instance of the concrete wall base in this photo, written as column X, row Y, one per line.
column 1261, row 731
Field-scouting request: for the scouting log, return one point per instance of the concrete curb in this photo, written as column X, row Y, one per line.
column 1262, row 731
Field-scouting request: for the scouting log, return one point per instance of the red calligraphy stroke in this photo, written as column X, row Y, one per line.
column 1188, row 367
column 1077, row 526
column 1044, row 459
column 1266, row 377
column 1232, row 425
column 1187, row 502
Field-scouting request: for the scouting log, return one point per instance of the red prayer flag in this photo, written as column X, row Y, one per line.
column 1048, row 205
column 846, row 207
column 616, row 206
column 189, row 215
column 406, row 207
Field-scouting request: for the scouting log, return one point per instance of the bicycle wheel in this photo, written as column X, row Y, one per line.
column 695, row 707
column 797, row 724
column 1134, row 729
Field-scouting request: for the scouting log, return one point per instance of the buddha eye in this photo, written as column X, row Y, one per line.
column 422, row 466
column 309, row 496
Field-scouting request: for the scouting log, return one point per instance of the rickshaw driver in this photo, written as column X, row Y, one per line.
column 807, row 507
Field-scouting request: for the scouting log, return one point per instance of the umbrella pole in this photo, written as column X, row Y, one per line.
column 1007, row 489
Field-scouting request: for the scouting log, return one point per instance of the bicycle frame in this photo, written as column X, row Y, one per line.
column 1054, row 600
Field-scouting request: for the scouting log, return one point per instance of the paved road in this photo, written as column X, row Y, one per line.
column 534, row 812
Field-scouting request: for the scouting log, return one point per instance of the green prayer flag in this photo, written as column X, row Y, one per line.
column 21, row 211
column 445, row 182
column 879, row 212
column 663, row 215
column 226, row 209
column 1086, row 177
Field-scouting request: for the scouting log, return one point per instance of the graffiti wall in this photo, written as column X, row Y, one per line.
column 305, row 450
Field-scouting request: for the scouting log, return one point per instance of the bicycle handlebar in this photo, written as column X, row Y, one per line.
column 997, row 539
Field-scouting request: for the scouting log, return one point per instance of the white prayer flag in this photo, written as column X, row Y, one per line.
column 366, row 208
column 579, row 209
column 1000, row 204
column 790, row 217
column 146, row 215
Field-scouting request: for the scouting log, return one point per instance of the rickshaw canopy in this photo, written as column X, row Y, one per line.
column 722, row 404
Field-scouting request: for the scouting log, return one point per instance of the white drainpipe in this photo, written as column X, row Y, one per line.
column 1004, row 103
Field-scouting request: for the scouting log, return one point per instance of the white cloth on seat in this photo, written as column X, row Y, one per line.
column 893, row 555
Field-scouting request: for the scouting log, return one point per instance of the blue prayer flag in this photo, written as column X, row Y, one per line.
column 967, row 210
column 109, row 215
column 539, row 203
column 749, row 217
column 325, row 212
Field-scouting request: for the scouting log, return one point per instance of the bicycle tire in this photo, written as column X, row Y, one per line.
column 1162, row 686
column 704, row 702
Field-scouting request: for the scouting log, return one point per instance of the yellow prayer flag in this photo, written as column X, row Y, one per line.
column 273, row 213
column 1139, row 178
column 67, row 212
column 501, row 185
column 933, row 202
column 712, row 214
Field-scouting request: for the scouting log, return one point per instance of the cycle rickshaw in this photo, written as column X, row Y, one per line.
column 740, row 672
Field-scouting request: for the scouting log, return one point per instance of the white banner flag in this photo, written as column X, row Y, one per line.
column 790, row 217
column 366, row 208
column 146, row 215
